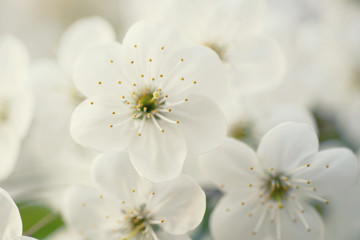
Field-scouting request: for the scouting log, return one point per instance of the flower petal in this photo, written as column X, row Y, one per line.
column 231, row 166
column 230, row 219
column 331, row 170
column 147, row 40
column 92, row 120
column 165, row 236
column 10, row 220
column 9, row 150
column 283, row 147
column 202, row 123
column 197, row 69
column 257, row 63
column 14, row 64
column 158, row 156
column 180, row 203
column 297, row 231
column 81, row 35
column 97, row 70
column 94, row 217
column 114, row 173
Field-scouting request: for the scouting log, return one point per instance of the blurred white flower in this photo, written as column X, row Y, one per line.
column 234, row 29
column 268, row 193
column 128, row 206
column 11, row 225
column 16, row 101
column 50, row 160
column 151, row 97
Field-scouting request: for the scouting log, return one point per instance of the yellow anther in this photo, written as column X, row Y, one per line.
column 99, row 83
column 142, row 75
column 133, row 190
column 139, row 134
column 153, row 79
column 135, row 46
column 153, row 193
column 83, row 204
column 113, row 112
column 111, row 61
column 182, row 59
column 156, row 95
column 161, row 75
column 132, row 62
column 134, row 84
column 92, row 103
column 194, row 82
column 162, row 130
column 119, row 82
column 111, row 125
column 162, row 48
column 182, row 79
column 169, row 109
column 150, row 60
column 186, row 99
column 178, row 122
column 162, row 220
column 101, row 196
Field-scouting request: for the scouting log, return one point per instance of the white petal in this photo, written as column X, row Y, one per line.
column 9, row 150
column 158, row 156
column 230, row 219
column 21, row 111
column 202, row 123
column 97, row 70
column 257, row 64
column 283, row 147
column 90, row 123
column 229, row 166
column 114, row 173
column 180, row 203
column 14, row 64
column 201, row 65
column 10, row 220
column 331, row 171
column 165, row 236
column 153, row 41
column 94, row 217
column 297, row 231
column 81, row 35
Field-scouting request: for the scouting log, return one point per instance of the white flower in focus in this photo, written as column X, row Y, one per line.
column 11, row 224
column 151, row 97
column 128, row 206
column 16, row 101
column 270, row 192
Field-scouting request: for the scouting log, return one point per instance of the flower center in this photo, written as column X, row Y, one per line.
column 277, row 189
column 148, row 102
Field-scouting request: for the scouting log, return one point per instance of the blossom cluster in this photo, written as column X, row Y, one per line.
column 182, row 119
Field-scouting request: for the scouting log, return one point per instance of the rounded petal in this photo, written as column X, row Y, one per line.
column 81, row 35
column 195, row 64
column 94, row 125
column 257, row 64
column 284, row 146
column 298, row 231
column 331, row 171
column 202, row 123
column 147, row 40
column 114, row 173
column 230, row 219
column 10, row 220
column 9, row 150
column 97, row 70
column 231, row 166
column 158, row 156
column 88, row 213
column 180, row 203
column 14, row 64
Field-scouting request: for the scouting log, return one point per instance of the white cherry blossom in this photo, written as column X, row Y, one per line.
column 151, row 97
column 268, row 193
column 127, row 206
